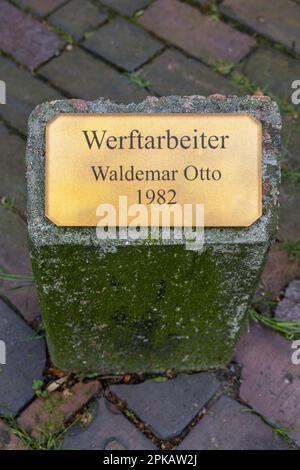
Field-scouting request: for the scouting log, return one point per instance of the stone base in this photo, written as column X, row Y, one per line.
column 145, row 309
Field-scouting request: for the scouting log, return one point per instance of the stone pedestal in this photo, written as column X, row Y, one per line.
column 112, row 306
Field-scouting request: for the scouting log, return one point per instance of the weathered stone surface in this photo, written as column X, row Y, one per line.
column 23, row 93
column 172, row 73
column 25, row 361
column 12, row 175
column 168, row 407
column 124, row 44
column 109, row 430
column 63, row 72
column 289, row 307
column 278, row 20
column 153, row 329
column 8, row 440
column 230, row 426
column 261, row 69
column 77, row 17
column 126, row 7
column 197, row 34
column 14, row 258
column 46, row 416
column 28, row 40
column 40, row 7
column 279, row 270
column 270, row 382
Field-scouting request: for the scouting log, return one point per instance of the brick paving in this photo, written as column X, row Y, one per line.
column 25, row 362
column 14, row 258
column 77, row 18
column 12, row 177
column 29, row 41
column 279, row 270
column 126, row 50
column 47, row 415
column 270, row 382
column 23, row 94
column 228, row 425
column 198, row 35
column 8, row 441
column 108, row 430
column 173, row 73
column 63, row 73
column 39, row 7
column 289, row 307
column 204, row 3
column 278, row 20
column 126, row 7
column 289, row 225
column 260, row 69
column 168, row 407
column 290, row 141
column 124, row 44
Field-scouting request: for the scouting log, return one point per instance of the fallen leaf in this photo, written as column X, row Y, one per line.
column 127, row 378
column 56, row 384
column 56, row 372
column 67, row 393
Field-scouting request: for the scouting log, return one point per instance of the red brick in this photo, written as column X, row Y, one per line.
column 25, row 362
column 289, row 307
column 204, row 3
column 228, row 426
column 8, row 440
column 24, row 92
column 126, row 7
column 30, row 42
column 40, row 7
column 270, row 382
column 289, row 220
column 172, row 73
column 63, row 72
column 124, row 44
column 47, row 415
column 290, row 140
column 168, row 407
column 279, row 20
column 279, row 270
column 197, row 34
column 14, row 258
column 262, row 64
column 107, row 430
column 77, row 17
column 12, row 175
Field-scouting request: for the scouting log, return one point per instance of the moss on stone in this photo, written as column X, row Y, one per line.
column 142, row 308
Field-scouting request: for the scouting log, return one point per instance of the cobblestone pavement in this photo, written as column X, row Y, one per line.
column 126, row 50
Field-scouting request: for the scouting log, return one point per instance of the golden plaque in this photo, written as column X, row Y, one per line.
column 101, row 163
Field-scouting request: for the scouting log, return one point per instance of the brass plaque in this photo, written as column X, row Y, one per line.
column 153, row 159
